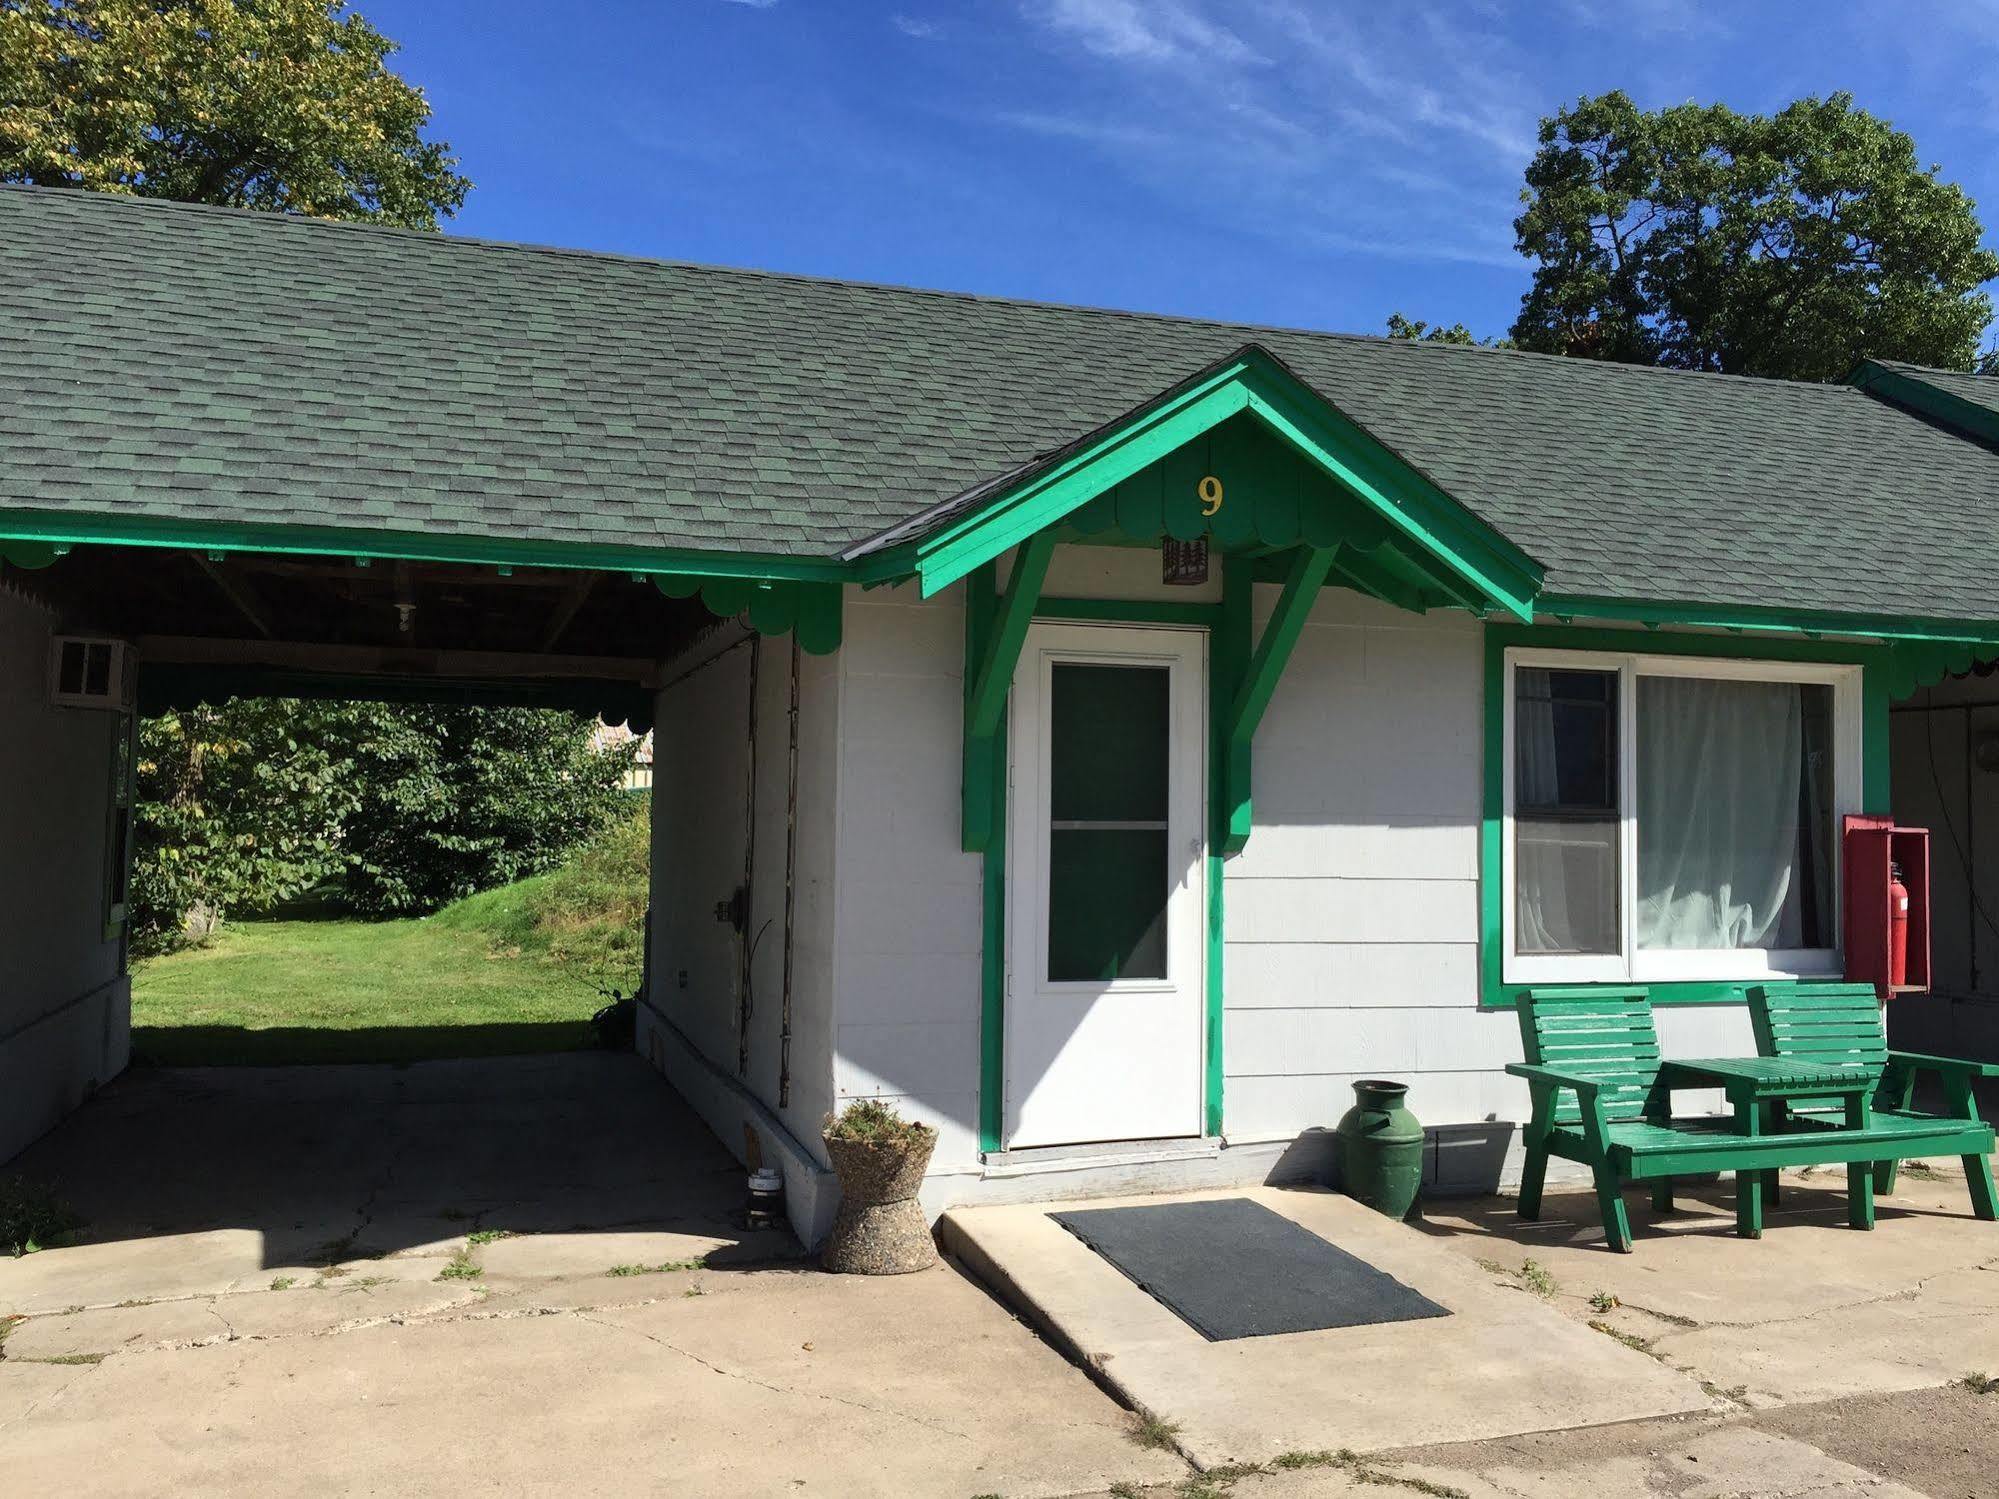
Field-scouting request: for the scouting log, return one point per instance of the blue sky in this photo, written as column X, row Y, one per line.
column 1315, row 163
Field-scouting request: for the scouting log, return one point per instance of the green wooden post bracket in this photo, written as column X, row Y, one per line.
column 1301, row 588
column 1229, row 650
column 976, row 790
column 994, row 632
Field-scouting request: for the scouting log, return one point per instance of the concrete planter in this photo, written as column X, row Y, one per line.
column 880, row 1228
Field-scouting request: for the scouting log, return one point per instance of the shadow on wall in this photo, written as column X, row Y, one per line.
column 348, row 1162
column 1459, row 1160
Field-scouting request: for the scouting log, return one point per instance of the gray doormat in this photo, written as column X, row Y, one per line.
column 1234, row 1269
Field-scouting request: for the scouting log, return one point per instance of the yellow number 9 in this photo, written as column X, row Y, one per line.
column 1210, row 491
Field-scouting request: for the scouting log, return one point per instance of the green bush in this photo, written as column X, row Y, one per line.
column 245, row 806
column 458, row 800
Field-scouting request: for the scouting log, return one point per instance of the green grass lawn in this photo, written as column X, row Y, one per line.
column 512, row 970
column 354, row 991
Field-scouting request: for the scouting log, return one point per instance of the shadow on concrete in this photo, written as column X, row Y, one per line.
column 1703, row 1205
column 336, row 1163
column 283, row 1046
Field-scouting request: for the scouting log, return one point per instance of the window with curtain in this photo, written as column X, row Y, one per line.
column 1670, row 824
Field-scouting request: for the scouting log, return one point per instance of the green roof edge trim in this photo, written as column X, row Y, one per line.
column 1784, row 621
column 1914, row 394
column 1257, row 381
column 69, row 529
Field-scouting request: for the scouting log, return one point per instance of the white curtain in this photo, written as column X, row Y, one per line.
column 1722, row 792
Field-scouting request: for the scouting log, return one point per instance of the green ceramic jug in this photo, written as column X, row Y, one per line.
column 1381, row 1148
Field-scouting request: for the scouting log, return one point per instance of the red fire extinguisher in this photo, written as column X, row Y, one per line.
column 1898, row 928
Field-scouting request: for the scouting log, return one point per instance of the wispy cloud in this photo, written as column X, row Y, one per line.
column 916, row 26
column 1095, row 132
column 1394, row 130
column 1154, row 31
column 753, row 4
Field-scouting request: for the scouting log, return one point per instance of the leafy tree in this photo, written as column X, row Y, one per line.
column 286, row 105
column 1791, row 244
column 457, row 800
column 1400, row 327
column 238, row 808
column 402, row 809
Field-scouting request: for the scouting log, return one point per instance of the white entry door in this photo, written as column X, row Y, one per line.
column 1105, row 891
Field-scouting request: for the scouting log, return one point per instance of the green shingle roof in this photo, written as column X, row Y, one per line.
column 162, row 361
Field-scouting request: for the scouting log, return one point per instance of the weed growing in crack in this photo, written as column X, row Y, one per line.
column 663, row 1268
column 1980, row 1384
column 1124, row 1488
column 1630, row 1340
column 460, row 1266
column 1603, row 1301
column 1219, row 1482
column 284, row 1282
column 32, row 1217
column 1150, row 1431
column 66, row 1358
column 1535, row 1277
column 480, row 1236
column 1493, row 1267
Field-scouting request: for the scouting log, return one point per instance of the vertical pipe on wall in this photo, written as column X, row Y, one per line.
column 1970, row 847
column 790, row 885
column 744, row 955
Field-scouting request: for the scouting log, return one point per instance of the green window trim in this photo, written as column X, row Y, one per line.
column 1873, row 660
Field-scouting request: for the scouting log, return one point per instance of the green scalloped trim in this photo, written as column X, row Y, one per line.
column 811, row 610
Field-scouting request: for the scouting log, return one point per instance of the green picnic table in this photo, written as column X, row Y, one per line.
column 1760, row 1093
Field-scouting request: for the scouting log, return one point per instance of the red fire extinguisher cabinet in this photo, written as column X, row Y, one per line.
column 1872, row 850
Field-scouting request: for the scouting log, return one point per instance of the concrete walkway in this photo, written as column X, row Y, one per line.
column 1501, row 1363
column 291, row 1284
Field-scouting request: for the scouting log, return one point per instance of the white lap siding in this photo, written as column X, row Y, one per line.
column 1352, row 917
column 65, row 1004
column 910, row 913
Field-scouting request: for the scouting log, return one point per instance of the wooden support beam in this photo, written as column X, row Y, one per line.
column 994, row 631
column 1228, row 658
column 565, row 612
column 402, row 661
column 1259, row 681
column 1023, row 592
column 238, row 594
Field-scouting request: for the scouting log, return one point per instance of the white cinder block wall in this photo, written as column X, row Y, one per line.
column 65, row 1004
column 1352, row 918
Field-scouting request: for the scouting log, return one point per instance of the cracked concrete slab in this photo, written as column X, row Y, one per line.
column 794, row 1383
column 1814, row 1310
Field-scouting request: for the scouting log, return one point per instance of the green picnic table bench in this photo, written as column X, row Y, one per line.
column 1602, row 1097
column 1830, row 1022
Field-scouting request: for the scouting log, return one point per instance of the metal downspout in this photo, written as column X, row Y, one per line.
column 744, row 999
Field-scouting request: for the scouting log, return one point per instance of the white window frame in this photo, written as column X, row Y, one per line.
column 1630, row 964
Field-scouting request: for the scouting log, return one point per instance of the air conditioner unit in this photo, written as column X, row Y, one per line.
column 86, row 671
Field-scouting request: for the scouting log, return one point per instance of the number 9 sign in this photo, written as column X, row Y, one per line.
column 1210, row 491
